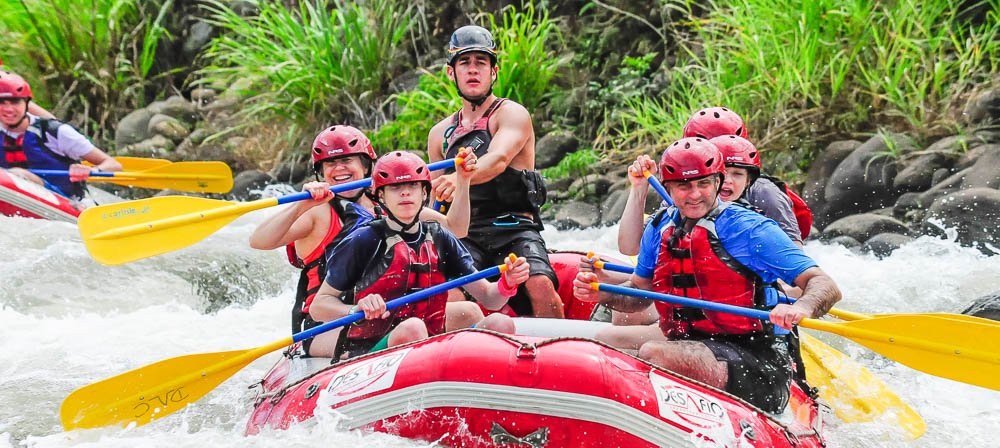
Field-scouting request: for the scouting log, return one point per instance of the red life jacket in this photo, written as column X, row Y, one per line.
column 803, row 214
column 345, row 216
column 395, row 271
column 695, row 265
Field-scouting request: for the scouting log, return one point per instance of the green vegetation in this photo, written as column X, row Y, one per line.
column 814, row 68
column 308, row 63
column 575, row 164
column 91, row 58
column 526, row 39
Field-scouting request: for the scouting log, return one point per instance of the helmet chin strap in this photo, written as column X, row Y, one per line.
column 475, row 100
column 393, row 218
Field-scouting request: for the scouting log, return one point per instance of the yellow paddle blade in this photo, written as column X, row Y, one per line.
column 129, row 231
column 156, row 390
column 955, row 349
column 850, row 315
column 198, row 177
column 140, row 163
column 854, row 393
column 136, row 163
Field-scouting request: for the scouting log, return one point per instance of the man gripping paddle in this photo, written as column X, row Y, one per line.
column 309, row 229
column 720, row 252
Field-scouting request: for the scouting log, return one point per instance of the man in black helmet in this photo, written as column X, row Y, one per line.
column 506, row 190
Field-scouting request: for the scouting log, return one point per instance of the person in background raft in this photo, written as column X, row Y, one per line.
column 310, row 229
column 396, row 255
column 723, row 252
column 506, row 191
column 31, row 142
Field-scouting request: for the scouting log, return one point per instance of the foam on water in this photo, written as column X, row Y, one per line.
column 68, row 321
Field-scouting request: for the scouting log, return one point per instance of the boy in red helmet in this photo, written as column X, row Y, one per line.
column 392, row 256
column 33, row 142
column 718, row 251
column 310, row 229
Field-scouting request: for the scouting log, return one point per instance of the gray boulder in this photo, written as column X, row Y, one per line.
column 247, row 181
column 863, row 180
column 814, row 190
column 987, row 307
column 169, row 127
column 918, row 170
column 177, row 107
column 983, row 109
column 576, row 215
column 883, row 244
column 864, row 226
column 156, row 146
column 973, row 213
column 133, row 128
column 613, row 206
column 845, row 241
column 551, row 148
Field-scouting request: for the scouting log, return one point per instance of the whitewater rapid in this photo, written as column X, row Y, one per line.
column 67, row 321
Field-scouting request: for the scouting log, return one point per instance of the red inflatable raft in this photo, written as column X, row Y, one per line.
column 474, row 388
column 20, row 197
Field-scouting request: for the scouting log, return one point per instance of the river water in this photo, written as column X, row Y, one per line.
column 67, row 321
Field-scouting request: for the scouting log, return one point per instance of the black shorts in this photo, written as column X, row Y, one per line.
column 489, row 251
column 760, row 370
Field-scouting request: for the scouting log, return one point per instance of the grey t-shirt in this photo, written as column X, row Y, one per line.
column 776, row 205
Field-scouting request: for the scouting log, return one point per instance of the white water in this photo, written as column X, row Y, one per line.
column 67, row 321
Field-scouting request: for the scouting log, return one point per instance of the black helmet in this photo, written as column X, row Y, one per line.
column 471, row 38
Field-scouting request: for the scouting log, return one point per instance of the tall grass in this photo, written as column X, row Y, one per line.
column 817, row 67
column 86, row 59
column 525, row 39
column 322, row 59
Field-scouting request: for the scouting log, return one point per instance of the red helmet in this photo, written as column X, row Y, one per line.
column 713, row 122
column 340, row 141
column 739, row 152
column 399, row 167
column 13, row 86
column 689, row 159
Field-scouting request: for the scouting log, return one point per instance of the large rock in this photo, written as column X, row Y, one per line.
column 133, row 128
column 169, row 127
column 983, row 109
column 576, row 215
column 984, row 173
column 987, row 307
column 590, row 185
column 177, row 107
column 292, row 171
column 822, row 168
column 863, row 181
column 551, row 148
column 883, row 244
column 864, row 226
column 918, row 170
column 973, row 213
column 613, row 206
column 247, row 182
column 156, row 146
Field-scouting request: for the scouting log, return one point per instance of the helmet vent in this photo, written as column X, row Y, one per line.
column 716, row 114
column 383, row 174
column 709, row 162
column 352, row 143
column 420, row 170
column 687, row 145
column 753, row 154
column 671, row 169
column 739, row 130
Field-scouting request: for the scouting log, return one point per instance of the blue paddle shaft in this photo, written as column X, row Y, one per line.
column 618, row 268
column 396, row 303
column 65, row 173
column 363, row 183
column 685, row 301
column 659, row 189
